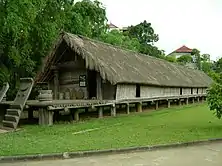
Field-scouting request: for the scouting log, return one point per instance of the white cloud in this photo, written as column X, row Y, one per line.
column 195, row 23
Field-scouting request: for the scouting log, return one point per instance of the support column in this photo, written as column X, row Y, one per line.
column 157, row 105
column 100, row 112
column 76, row 115
column 56, row 84
column 168, row 104
column 139, row 107
column 179, row 102
column 187, row 101
column 128, row 108
column 45, row 117
column 202, row 99
column 98, row 87
column 198, row 99
column 113, row 110
column 193, row 100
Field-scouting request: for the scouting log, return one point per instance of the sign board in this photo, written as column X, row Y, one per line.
column 82, row 80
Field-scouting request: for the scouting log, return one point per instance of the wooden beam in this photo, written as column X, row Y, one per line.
column 56, row 84
column 98, row 87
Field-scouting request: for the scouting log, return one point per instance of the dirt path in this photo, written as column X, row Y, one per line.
column 204, row 155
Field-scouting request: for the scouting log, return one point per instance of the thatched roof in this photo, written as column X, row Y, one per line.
column 123, row 66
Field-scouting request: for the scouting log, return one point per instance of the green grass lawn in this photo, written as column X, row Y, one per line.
column 147, row 128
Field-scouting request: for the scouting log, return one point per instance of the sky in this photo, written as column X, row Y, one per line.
column 194, row 23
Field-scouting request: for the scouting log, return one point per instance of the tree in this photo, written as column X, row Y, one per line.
column 218, row 66
column 146, row 37
column 143, row 32
column 171, row 58
column 28, row 28
column 87, row 18
column 197, row 58
column 214, row 95
column 184, row 59
column 117, row 38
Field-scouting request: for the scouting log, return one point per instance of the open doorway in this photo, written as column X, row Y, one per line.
column 137, row 90
column 92, row 84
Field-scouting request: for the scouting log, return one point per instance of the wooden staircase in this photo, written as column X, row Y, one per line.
column 14, row 112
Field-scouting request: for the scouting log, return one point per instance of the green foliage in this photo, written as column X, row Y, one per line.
column 171, row 58
column 143, row 32
column 214, row 95
column 206, row 66
column 185, row 59
column 146, row 36
column 117, row 38
column 28, row 28
column 218, row 66
column 86, row 18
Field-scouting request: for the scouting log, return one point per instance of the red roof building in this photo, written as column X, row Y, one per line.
column 183, row 49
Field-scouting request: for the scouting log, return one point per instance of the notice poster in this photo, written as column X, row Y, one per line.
column 82, row 80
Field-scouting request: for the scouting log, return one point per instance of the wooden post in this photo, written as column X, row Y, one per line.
column 76, row 115
column 157, row 105
column 187, row 101
column 202, row 99
column 100, row 112
column 127, row 108
column 179, row 102
column 98, row 87
column 193, row 100
column 45, row 117
column 113, row 110
column 139, row 107
column 56, row 84
column 198, row 99
column 168, row 102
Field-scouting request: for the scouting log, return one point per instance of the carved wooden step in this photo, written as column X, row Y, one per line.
column 6, row 128
column 15, row 112
column 12, row 118
column 16, row 106
column 9, row 124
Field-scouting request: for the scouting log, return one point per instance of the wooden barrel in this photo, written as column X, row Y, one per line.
column 45, row 95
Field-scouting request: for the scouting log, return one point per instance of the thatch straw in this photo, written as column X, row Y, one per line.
column 123, row 66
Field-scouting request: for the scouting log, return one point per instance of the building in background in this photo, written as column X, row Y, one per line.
column 112, row 26
column 185, row 51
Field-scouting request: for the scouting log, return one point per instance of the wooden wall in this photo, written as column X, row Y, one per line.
column 69, row 83
column 125, row 91
column 129, row 91
column 108, row 91
column 69, row 87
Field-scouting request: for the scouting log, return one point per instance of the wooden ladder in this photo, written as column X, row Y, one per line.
column 14, row 112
